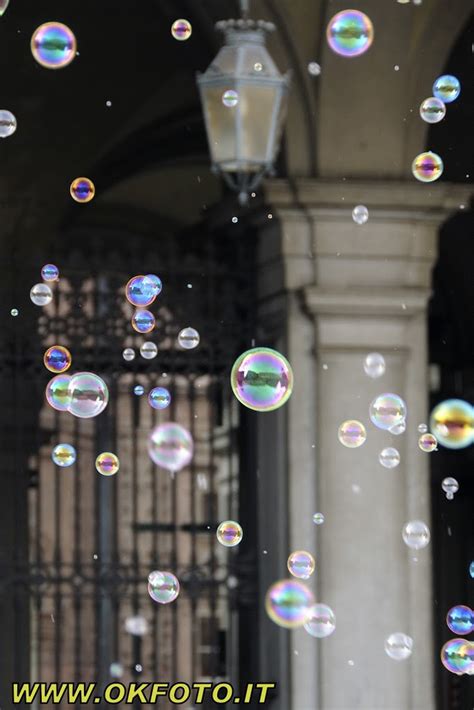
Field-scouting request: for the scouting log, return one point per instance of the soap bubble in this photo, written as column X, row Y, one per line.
column 318, row 518
column 389, row 458
column 416, row 534
column 262, row 379
column 136, row 625
column 360, row 214
column 352, row 434
column 89, row 395
column 156, row 283
column 170, row 446
column 143, row 321
column 432, row 110
column 53, row 45
column 107, row 463
column 163, row 587
column 41, row 294
column 64, row 455
column 457, row 656
column 50, row 272
column 58, row 394
column 428, row 443
column 399, row 646
column 3, row 6
column 148, row 350
column 422, row 428
column 427, row 167
column 314, row 69
column 230, row 98
column 447, row 88
column 387, row 410
column 321, row 621
column 116, row 670
column 142, row 290
column 7, row 123
column 301, row 564
column 128, row 354
column 350, row 33
column 159, row 398
column 398, row 429
column 181, row 30
column 460, row 620
column 188, row 338
column 82, row 190
column 57, row 359
column 374, row 365
column 471, row 569
column 450, row 486
column 139, row 390
column 288, row 603
column 452, row 422
column 229, row 533
column 14, row 312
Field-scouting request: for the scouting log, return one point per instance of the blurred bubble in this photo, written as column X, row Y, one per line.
column 156, row 283
column 389, row 457
column 188, row 338
column 460, row 620
column 89, row 395
column 58, row 394
column 360, row 214
column 14, row 312
column 181, row 30
column 387, row 410
column 148, row 350
column 128, row 354
column 432, row 110
column 143, row 321
column 399, row 646
column 288, row 603
column 82, row 189
column 159, row 398
column 447, row 88
column 416, row 534
column 57, row 359
column 142, row 290
column 229, row 533
column 170, row 446
column 64, row 455
column 262, row 379
column 116, row 670
column 374, row 365
column 301, row 564
column 139, row 390
column 457, row 656
column 136, row 625
column 318, row 518
column 427, row 167
column 350, row 33
column 471, row 569
column 50, row 272
column 398, row 429
column 3, row 6
column 107, row 463
column 352, row 434
column 452, row 422
column 314, row 69
column 7, row 123
column 53, row 45
column 422, row 428
column 450, row 486
column 321, row 621
column 230, row 98
column 41, row 294
column 163, row 587
column 427, row 442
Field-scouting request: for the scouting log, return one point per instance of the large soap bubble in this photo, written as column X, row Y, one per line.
column 452, row 422
column 41, row 294
column 350, row 33
column 89, row 395
column 447, row 88
column 288, row 603
column 163, row 587
column 432, row 110
column 229, row 533
column 53, row 45
column 142, row 290
column 58, row 394
column 427, row 167
column 352, row 434
column 301, row 564
column 57, row 359
column 170, row 446
column 387, row 410
column 457, row 656
column 460, row 620
column 262, row 379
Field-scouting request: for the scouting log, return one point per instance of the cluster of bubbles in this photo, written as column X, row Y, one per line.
column 7, row 123
column 107, row 463
column 163, row 587
column 181, row 30
column 350, row 33
column 148, row 351
column 457, row 655
column 452, row 422
column 170, row 446
column 262, row 379
column 64, row 455
column 41, row 293
column 301, row 564
column 84, row 394
column 141, row 291
column 82, row 190
column 229, row 533
column 53, row 45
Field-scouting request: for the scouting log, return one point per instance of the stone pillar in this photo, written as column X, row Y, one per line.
column 350, row 290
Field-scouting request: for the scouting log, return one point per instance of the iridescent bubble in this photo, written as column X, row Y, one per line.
column 318, row 518
column 422, row 428
column 159, row 398
column 89, row 395
column 428, row 443
column 350, row 33
column 188, row 338
column 170, row 446
column 427, row 167
column 399, row 646
column 288, row 603
column 82, row 189
column 471, row 569
column 450, row 486
column 41, row 294
column 352, row 434
column 141, row 290
column 432, row 110
column 139, row 390
column 452, row 422
column 143, row 321
column 148, row 350
column 447, row 88
column 457, row 656
column 389, row 457
column 374, row 365
column 57, row 359
column 181, row 29
column 136, row 625
column 229, row 533
column 3, row 6
column 230, row 98
column 416, row 534
column 262, row 379
column 360, row 214
column 53, row 45
column 398, row 429
column 64, row 455
column 163, row 587
column 314, row 69
column 7, row 123
column 128, row 354
column 460, row 620
column 58, row 394
column 107, row 463
column 155, row 283
column 50, row 272
column 301, row 564
column 321, row 621
column 387, row 410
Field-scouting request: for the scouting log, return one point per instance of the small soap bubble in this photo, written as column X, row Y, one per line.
column 230, row 98
column 350, row 33
column 108, row 104
column 374, row 365
column 136, row 625
column 352, row 434
column 258, row 67
column 116, row 670
column 82, row 190
column 107, row 463
column 447, row 88
column 89, row 395
column 143, row 321
column 163, row 587
column 427, row 167
column 64, row 455
column 50, row 272
column 360, row 214
column 139, row 390
column 181, row 30
column 398, row 646
column 389, row 457
column 288, row 603
column 7, row 124
column 321, row 621
column 450, row 486
column 53, row 45
column 428, row 443
column 170, row 446
column 432, row 110
column 387, row 410
column 57, row 359
column 460, row 620
column 41, row 295
column 14, row 312
column 128, row 354
column 301, row 564
column 159, row 398
column 318, row 518
column 471, row 569
column 229, row 533
column 148, row 350
column 422, row 428
column 235, row 220
column 262, row 379
column 138, row 667
column 188, row 338
column 416, row 534
column 314, row 69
